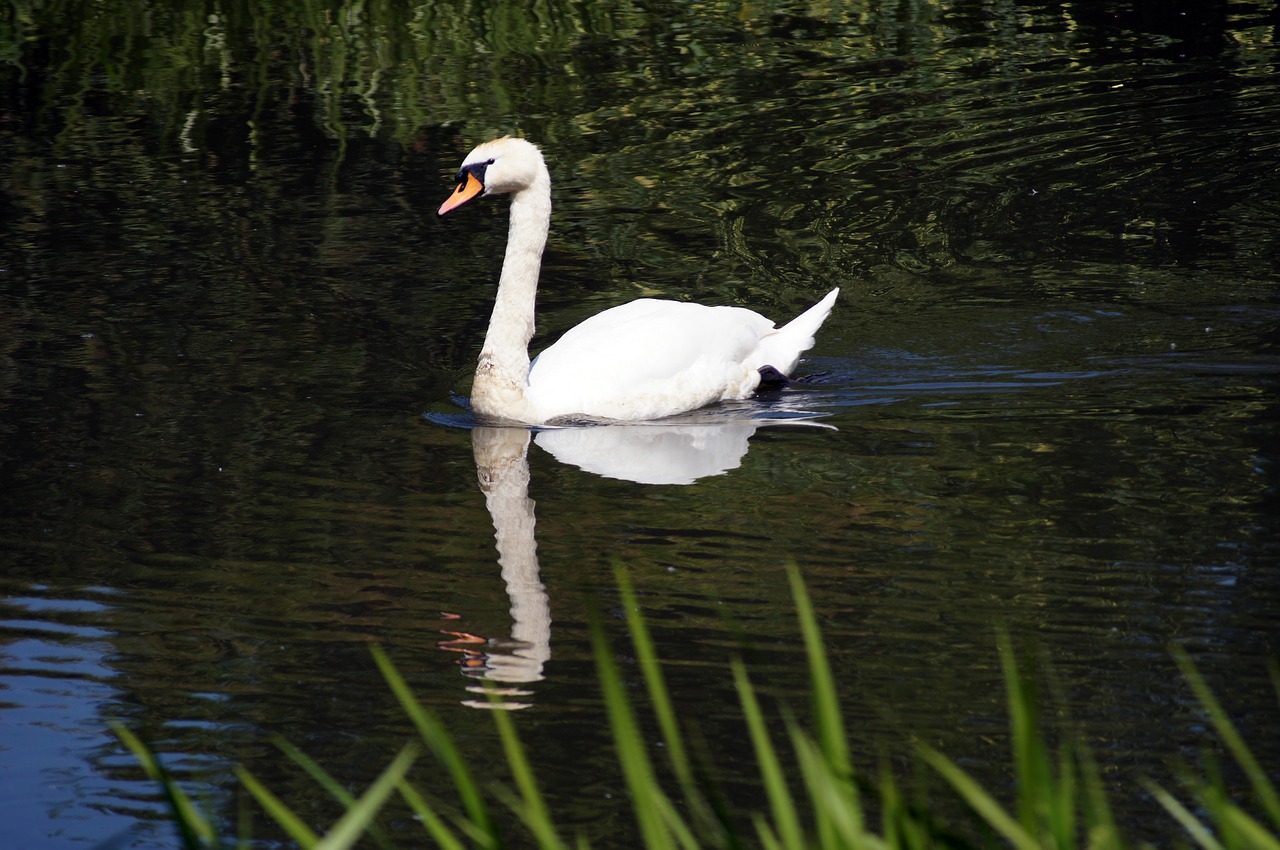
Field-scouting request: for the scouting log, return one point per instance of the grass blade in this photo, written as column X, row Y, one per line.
column 659, row 697
column 768, row 838
column 194, row 828
column 1059, row 800
column 328, row 783
column 1096, row 808
column 785, row 817
column 1198, row 831
column 680, row 830
column 828, row 714
column 1034, row 774
column 531, row 806
column 438, row 740
column 1262, row 786
column 352, row 825
column 637, row 769
column 1249, row 831
column 296, row 828
column 433, row 823
column 837, row 810
column 980, row 801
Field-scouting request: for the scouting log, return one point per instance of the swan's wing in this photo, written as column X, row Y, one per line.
column 649, row 353
column 651, row 339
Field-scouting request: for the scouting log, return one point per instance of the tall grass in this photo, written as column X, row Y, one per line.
column 820, row 802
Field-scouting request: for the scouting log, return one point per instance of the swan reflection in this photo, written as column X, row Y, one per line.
column 502, row 467
column 658, row 453
column 651, row 454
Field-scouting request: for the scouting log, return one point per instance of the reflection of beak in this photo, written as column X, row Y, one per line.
column 461, row 639
column 467, row 189
column 476, row 665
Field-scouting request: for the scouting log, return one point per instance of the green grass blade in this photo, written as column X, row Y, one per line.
column 828, row 715
column 296, row 828
column 435, row 826
column 544, row 835
column 331, row 785
column 637, row 769
column 1262, row 786
column 659, row 698
column 1251, row 833
column 980, row 801
column 1061, row 800
column 907, row 825
column 897, row 829
column 194, row 828
column 1095, row 807
column 706, row 816
column 440, row 743
column 1032, row 768
column 785, row 817
column 679, row 828
column 1197, row 830
column 352, row 825
column 837, row 810
column 768, row 838
column 530, row 805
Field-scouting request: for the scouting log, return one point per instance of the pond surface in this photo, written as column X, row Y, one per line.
column 236, row 344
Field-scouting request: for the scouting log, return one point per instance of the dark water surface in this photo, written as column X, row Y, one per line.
column 234, row 339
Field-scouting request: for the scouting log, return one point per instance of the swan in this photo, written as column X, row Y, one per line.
column 644, row 360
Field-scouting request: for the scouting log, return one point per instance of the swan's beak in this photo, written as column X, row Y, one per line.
column 467, row 189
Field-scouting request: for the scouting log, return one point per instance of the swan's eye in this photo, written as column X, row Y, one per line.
column 476, row 169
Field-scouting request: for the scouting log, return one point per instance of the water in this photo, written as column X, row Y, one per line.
column 234, row 339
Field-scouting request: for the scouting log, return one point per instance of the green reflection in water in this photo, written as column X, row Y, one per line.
column 225, row 304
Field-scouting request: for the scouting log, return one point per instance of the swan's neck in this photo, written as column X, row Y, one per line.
column 503, row 371
column 503, row 467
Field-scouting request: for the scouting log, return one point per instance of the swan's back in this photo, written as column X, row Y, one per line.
column 650, row 358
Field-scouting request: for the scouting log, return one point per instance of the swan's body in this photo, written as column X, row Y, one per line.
column 643, row 360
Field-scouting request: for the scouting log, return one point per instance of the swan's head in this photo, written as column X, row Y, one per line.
column 493, row 168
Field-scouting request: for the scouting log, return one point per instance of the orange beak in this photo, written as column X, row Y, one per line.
column 467, row 189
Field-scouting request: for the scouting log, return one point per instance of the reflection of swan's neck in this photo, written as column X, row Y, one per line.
column 503, row 370
column 503, row 470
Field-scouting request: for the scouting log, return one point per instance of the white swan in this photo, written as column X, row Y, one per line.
column 643, row 360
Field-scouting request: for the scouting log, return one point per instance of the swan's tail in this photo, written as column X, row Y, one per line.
column 782, row 348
